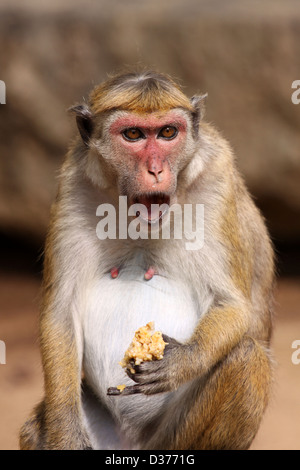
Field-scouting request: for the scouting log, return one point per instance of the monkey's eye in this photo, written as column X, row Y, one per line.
column 168, row 132
column 133, row 134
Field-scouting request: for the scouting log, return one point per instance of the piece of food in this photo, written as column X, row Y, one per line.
column 121, row 387
column 147, row 345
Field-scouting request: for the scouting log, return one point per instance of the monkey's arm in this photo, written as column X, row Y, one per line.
column 62, row 423
column 56, row 423
column 216, row 334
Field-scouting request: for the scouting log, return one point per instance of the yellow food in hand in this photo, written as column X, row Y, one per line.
column 147, row 345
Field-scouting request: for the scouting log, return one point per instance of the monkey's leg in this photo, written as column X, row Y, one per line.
column 32, row 434
column 57, row 422
column 100, row 425
column 223, row 410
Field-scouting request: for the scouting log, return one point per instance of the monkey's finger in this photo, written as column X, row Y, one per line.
column 138, row 373
column 171, row 342
column 146, row 389
column 138, row 378
column 130, row 390
column 132, row 369
column 113, row 391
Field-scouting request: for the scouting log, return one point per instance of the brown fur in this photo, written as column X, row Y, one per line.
column 133, row 93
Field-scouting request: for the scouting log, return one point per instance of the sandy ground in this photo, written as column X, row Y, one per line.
column 21, row 377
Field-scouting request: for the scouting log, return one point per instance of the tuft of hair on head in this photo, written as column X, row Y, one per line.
column 140, row 92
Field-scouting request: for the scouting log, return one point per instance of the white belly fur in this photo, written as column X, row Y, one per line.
column 117, row 308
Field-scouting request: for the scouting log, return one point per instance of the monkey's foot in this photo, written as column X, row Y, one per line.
column 147, row 276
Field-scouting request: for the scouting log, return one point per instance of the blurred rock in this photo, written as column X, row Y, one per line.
column 244, row 54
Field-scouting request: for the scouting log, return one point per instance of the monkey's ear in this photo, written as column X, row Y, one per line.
column 84, row 119
column 198, row 102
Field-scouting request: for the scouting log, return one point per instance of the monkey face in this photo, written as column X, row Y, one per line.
column 147, row 152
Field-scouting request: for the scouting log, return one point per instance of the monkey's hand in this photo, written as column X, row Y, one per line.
column 155, row 376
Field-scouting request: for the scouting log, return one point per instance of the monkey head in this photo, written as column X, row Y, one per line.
column 140, row 131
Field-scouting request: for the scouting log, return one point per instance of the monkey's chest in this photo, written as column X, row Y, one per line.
column 116, row 309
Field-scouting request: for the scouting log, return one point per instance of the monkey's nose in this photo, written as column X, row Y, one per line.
column 156, row 173
column 155, row 167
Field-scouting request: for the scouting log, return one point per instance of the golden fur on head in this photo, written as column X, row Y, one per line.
column 143, row 92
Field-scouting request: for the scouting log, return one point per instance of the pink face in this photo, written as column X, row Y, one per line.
column 150, row 145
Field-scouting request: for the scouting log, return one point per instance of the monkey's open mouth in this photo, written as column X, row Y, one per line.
column 153, row 206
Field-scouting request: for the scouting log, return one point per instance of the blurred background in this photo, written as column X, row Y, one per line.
column 245, row 55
